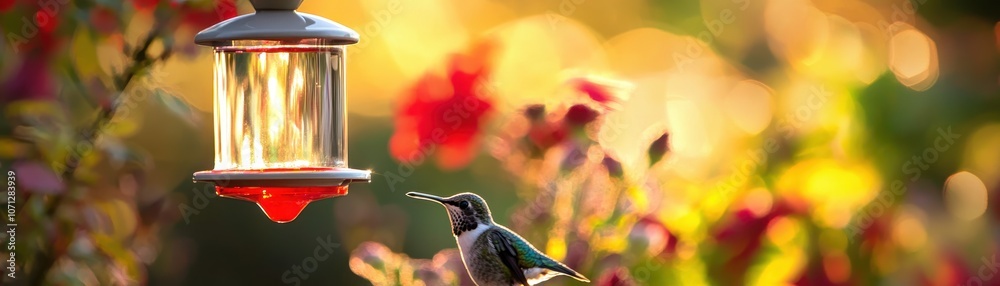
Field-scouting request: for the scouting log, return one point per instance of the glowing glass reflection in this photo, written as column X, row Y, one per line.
column 275, row 104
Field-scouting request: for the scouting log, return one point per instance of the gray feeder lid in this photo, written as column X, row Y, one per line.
column 237, row 178
column 276, row 20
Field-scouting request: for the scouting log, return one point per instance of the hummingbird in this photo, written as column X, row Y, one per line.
column 493, row 254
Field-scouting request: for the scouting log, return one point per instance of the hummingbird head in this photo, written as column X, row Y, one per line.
column 466, row 210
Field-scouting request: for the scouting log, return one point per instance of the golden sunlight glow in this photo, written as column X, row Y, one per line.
column 841, row 56
column 913, row 57
column 275, row 107
column 262, row 63
column 695, row 131
column 294, row 129
column 687, row 123
column 681, row 85
column 683, row 220
column 220, row 100
column 193, row 82
column 797, row 31
column 556, row 248
column 527, row 74
column 874, row 53
column 431, row 23
column 749, row 106
column 627, row 131
column 965, row 195
column 809, row 105
column 646, row 51
column 835, row 189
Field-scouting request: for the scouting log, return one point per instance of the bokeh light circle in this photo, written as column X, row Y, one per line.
column 965, row 195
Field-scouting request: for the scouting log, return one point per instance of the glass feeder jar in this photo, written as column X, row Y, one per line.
column 280, row 108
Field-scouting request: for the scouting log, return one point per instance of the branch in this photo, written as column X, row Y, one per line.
column 140, row 61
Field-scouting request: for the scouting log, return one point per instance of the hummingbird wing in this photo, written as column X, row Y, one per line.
column 508, row 255
column 531, row 257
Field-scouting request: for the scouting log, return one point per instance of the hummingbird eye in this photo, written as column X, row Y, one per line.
column 463, row 204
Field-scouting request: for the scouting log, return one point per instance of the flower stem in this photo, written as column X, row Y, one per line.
column 140, row 61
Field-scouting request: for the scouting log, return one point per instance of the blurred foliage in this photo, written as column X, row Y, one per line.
column 78, row 78
column 641, row 142
column 803, row 142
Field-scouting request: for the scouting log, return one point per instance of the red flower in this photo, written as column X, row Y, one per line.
column 41, row 40
column 615, row 277
column 443, row 114
column 545, row 134
column 951, row 269
column 104, row 20
column 46, row 22
column 6, row 4
column 32, row 81
column 145, row 5
column 743, row 235
column 608, row 93
column 580, row 115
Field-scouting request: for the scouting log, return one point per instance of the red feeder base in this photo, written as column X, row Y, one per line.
column 281, row 204
column 283, row 193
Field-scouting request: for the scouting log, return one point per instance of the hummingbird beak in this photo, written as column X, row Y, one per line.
column 428, row 197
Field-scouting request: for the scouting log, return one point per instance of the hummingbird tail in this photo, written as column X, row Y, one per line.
column 569, row 272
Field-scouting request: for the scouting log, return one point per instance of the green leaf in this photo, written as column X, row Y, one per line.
column 121, row 127
column 84, row 6
column 123, row 259
column 85, row 53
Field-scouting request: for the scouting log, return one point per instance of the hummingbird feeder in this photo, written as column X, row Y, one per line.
column 280, row 108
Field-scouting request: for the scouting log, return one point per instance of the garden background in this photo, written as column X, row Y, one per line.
column 722, row 142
